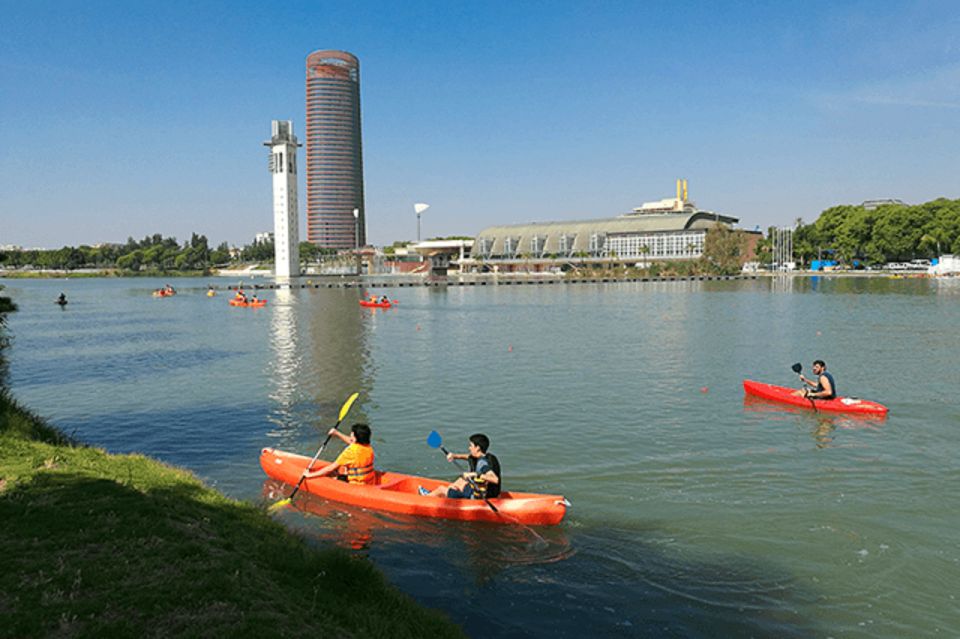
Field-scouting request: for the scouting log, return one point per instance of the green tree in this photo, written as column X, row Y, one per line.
column 723, row 251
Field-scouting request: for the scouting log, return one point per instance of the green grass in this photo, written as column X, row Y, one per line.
column 94, row 544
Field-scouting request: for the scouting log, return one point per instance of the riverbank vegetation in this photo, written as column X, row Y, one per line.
column 888, row 233
column 95, row 544
column 154, row 255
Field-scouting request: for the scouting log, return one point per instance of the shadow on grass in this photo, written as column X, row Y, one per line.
column 153, row 552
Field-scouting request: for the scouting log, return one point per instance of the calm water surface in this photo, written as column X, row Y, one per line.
column 695, row 513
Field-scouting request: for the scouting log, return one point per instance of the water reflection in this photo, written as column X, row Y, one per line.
column 339, row 352
column 284, row 369
column 486, row 549
column 822, row 425
column 319, row 357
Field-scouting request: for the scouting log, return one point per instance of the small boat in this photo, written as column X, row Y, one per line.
column 786, row 395
column 211, row 293
column 369, row 304
column 398, row 493
column 239, row 301
column 61, row 302
column 248, row 303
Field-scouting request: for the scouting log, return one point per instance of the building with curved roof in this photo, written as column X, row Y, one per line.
column 671, row 229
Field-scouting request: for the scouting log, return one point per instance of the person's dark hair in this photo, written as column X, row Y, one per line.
column 481, row 440
column 361, row 432
column 822, row 363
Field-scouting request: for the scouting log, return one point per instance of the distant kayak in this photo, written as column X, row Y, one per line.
column 369, row 304
column 786, row 395
column 250, row 304
column 397, row 493
column 61, row 302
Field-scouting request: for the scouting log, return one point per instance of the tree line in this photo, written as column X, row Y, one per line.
column 152, row 253
column 888, row 233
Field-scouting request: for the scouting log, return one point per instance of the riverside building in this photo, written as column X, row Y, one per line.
column 334, row 153
column 666, row 230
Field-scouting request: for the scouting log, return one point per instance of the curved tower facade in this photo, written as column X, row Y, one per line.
column 334, row 151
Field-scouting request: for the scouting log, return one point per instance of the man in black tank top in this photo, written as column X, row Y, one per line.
column 483, row 481
column 824, row 387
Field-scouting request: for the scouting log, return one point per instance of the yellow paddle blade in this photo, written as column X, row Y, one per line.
column 346, row 406
column 277, row 506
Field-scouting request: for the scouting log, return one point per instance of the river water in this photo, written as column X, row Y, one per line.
column 695, row 513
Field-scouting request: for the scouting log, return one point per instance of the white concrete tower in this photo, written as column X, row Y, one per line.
column 286, row 232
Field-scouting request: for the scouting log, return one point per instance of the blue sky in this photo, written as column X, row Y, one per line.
column 125, row 119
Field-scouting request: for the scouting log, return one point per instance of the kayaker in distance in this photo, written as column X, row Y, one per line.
column 62, row 300
column 484, row 471
column 384, row 300
column 355, row 463
column 824, row 387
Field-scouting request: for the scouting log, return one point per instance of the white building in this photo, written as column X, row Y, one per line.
column 283, row 165
column 946, row 265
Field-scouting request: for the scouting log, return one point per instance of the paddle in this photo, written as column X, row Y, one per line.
column 798, row 368
column 435, row 441
column 343, row 413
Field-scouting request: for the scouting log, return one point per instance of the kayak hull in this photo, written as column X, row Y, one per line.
column 257, row 304
column 785, row 395
column 397, row 493
column 369, row 304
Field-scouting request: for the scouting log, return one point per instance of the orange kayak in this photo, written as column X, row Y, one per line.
column 398, row 493
column 257, row 304
column 786, row 395
column 369, row 304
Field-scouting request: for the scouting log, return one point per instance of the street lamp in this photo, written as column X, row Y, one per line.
column 419, row 208
column 356, row 237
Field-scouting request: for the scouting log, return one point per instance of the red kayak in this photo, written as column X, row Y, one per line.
column 398, row 493
column 248, row 304
column 786, row 396
column 369, row 304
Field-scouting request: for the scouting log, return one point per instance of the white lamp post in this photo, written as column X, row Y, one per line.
column 419, row 208
column 356, row 238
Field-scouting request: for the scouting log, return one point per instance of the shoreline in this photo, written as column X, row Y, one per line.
column 151, row 546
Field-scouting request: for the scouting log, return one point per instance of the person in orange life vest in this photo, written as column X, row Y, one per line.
column 355, row 463
column 384, row 300
column 482, row 481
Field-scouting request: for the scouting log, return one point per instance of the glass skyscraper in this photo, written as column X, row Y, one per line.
column 334, row 151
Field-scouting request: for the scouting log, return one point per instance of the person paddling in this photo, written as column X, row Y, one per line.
column 355, row 463
column 62, row 299
column 823, row 388
column 483, row 479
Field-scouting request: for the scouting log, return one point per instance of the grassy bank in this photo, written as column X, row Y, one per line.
column 94, row 544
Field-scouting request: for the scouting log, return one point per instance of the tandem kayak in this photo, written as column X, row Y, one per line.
column 369, row 304
column 397, row 493
column 257, row 304
column 786, row 396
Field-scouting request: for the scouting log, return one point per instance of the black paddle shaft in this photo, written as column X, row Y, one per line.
column 798, row 368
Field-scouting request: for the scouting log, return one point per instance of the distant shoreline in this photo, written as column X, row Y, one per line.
column 468, row 279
